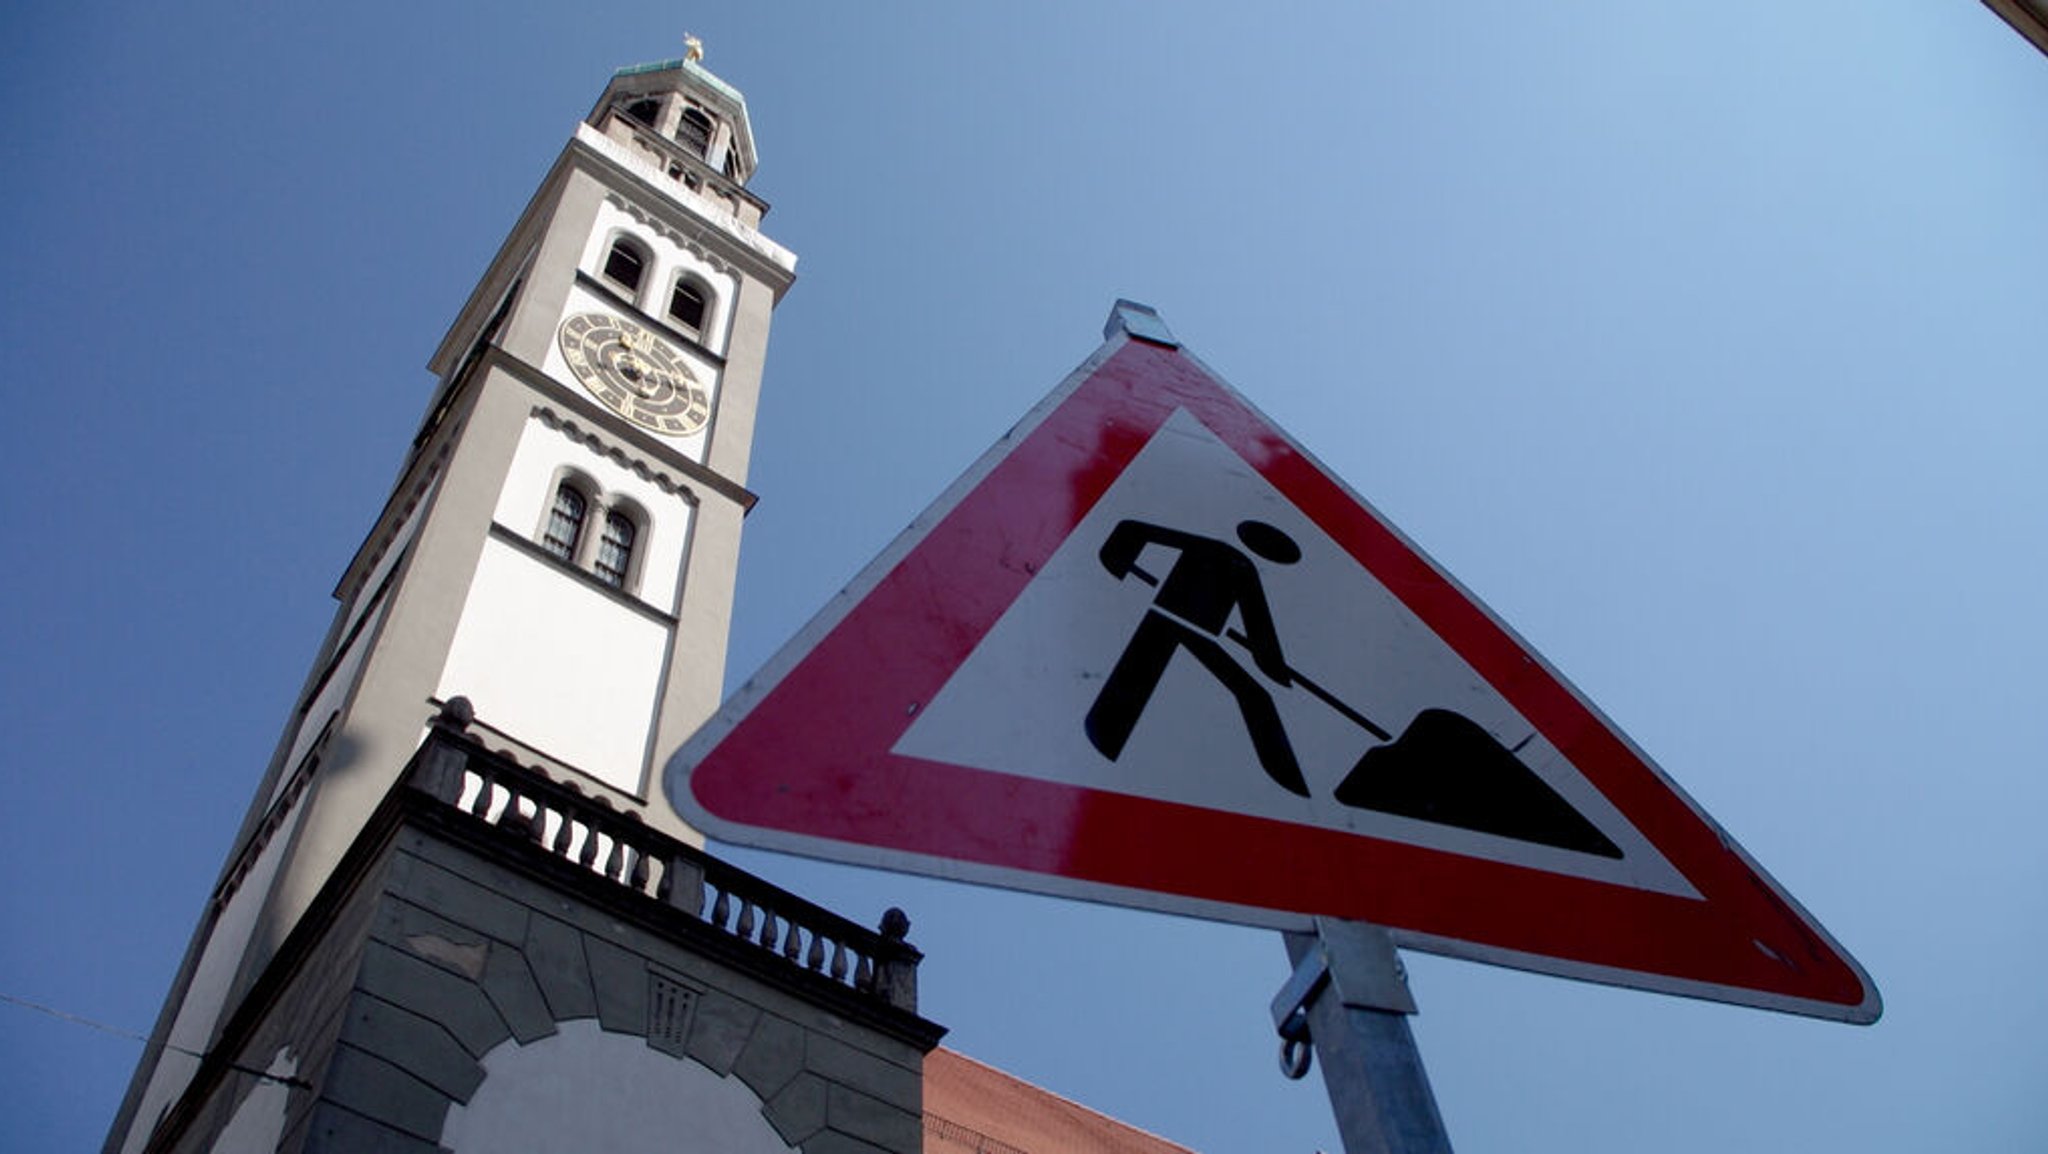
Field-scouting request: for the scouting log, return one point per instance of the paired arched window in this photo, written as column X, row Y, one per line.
column 565, row 522
column 647, row 112
column 687, row 305
column 564, row 537
column 615, row 549
column 625, row 264
column 693, row 131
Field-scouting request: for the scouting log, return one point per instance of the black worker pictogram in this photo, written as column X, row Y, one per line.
column 1443, row 768
column 1190, row 612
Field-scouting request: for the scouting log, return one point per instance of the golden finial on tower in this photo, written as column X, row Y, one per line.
column 693, row 48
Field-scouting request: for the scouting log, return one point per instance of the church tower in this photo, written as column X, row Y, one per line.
column 561, row 544
column 546, row 589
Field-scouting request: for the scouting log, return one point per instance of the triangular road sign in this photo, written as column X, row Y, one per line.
column 1148, row 651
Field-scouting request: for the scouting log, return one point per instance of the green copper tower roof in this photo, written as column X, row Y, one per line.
column 686, row 64
column 687, row 74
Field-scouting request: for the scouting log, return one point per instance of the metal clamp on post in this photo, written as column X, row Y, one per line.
column 1349, row 1000
column 1356, row 960
column 1290, row 1010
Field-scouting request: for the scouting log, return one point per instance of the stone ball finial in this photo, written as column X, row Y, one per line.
column 895, row 924
column 456, row 714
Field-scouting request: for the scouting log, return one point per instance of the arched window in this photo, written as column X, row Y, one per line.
column 565, row 522
column 646, row 111
column 615, row 549
column 693, row 131
column 686, row 305
column 624, row 264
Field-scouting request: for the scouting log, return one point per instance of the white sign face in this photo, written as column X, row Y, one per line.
column 1020, row 702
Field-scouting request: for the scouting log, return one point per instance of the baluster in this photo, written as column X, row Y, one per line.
column 481, row 807
column 588, row 853
column 838, row 961
column 768, row 929
column 864, row 974
column 615, row 861
column 510, row 818
column 564, row 835
column 792, row 942
column 721, row 909
column 637, row 876
column 746, row 926
column 816, row 958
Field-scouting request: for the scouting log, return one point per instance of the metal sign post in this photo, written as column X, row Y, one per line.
column 1349, row 999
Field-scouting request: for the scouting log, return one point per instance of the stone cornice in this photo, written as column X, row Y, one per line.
column 689, row 214
column 693, row 243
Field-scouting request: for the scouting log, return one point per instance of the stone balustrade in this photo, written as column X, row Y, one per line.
column 617, row 846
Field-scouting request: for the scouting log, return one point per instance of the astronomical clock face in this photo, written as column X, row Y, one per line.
column 635, row 373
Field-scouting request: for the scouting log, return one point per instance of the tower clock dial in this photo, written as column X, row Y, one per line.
column 635, row 373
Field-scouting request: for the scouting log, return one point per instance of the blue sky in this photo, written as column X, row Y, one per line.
column 1702, row 343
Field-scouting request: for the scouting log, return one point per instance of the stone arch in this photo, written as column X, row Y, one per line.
column 582, row 1088
column 471, row 968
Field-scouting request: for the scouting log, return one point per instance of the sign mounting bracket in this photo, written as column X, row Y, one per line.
column 1349, row 999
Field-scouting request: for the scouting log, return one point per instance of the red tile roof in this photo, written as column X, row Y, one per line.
column 971, row 1108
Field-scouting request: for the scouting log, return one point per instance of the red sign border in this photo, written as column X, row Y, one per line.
column 799, row 759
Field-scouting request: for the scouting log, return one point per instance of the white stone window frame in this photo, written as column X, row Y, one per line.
column 702, row 332
column 585, row 489
column 636, row 515
column 650, row 265
column 598, row 505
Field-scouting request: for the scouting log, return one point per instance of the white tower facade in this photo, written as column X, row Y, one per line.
column 561, row 544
